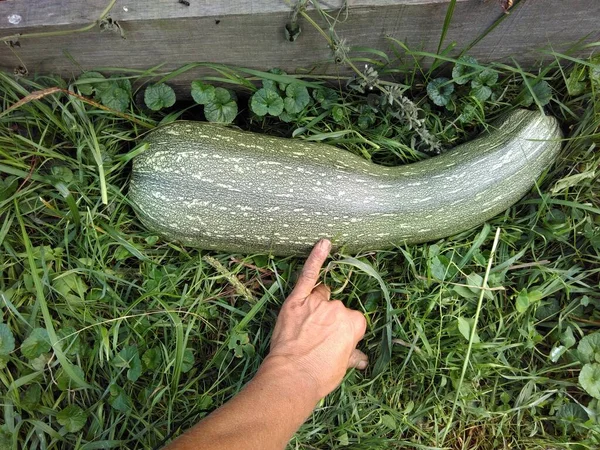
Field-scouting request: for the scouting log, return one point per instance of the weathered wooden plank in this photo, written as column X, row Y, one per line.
column 251, row 33
column 75, row 12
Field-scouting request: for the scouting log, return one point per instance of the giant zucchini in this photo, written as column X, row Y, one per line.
column 219, row 188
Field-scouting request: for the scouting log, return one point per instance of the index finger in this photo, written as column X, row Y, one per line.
column 310, row 272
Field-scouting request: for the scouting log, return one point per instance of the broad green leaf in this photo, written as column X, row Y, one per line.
column 41, row 361
column 70, row 283
column 468, row 114
column 488, row 77
column 337, row 112
column 438, row 266
column 287, row 117
column 589, row 379
column 62, row 173
column 439, row 91
column 270, row 85
column 526, row 298
column 474, row 282
column 575, row 82
column 297, row 98
column 69, row 340
column 7, row 340
column 388, row 421
column 479, row 91
column 65, row 382
column 188, row 360
column 557, row 352
column 366, row 119
column 36, row 343
column 542, row 91
column 222, row 109
column 588, row 349
column 202, row 93
column 151, row 358
column 159, row 96
column 572, row 412
column 568, row 338
column 118, row 399
column 464, row 292
column 73, row 418
column 94, row 81
column 32, row 396
column 265, row 101
column 239, row 342
column 548, row 308
column 129, row 358
column 281, row 84
column 326, row 97
column 464, row 327
column 522, row 303
column 461, row 74
column 115, row 97
column 124, row 84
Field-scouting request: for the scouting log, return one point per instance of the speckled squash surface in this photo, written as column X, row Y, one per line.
column 214, row 187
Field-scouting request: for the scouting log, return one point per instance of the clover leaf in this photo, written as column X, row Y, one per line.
column 462, row 73
column 202, row 93
column 266, row 101
column 297, row 98
column 222, row 108
column 439, row 91
column 159, row 96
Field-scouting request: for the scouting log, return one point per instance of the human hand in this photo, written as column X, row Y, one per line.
column 315, row 336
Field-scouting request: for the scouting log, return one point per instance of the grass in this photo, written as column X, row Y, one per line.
column 138, row 338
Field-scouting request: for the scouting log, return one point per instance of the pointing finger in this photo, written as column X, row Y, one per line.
column 310, row 272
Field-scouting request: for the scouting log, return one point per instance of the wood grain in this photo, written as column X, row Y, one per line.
column 251, row 32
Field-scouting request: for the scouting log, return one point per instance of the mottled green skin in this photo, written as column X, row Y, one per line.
column 219, row 188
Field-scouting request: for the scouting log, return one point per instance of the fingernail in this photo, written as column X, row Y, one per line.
column 362, row 365
column 325, row 244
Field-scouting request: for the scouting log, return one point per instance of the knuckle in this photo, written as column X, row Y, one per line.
column 337, row 304
column 309, row 273
column 360, row 320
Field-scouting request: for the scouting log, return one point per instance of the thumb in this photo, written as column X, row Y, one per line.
column 358, row 360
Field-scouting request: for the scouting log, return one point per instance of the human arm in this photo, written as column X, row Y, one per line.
column 313, row 344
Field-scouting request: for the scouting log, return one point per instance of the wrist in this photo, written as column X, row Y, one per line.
column 285, row 373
